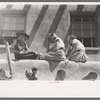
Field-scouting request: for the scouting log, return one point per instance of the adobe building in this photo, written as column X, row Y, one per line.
column 38, row 20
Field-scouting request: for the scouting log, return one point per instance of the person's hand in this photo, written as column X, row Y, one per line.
column 22, row 52
column 20, row 47
column 25, row 52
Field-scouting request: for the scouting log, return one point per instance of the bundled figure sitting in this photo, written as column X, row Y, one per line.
column 21, row 49
column 57, row 52
column 76, row 50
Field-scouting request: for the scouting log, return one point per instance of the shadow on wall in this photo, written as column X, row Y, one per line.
column 56, row 21
column 69, row 32
column 54, row 25
column 65, row 40
column 37, row 24
column 53, row 65
column 91, row 76
column 61, row 74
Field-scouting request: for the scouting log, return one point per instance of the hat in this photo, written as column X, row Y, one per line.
column 22, row 33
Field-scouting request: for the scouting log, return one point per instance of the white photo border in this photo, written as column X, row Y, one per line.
column 47, row 89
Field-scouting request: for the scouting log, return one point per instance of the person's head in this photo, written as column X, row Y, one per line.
column 22, row 36
column 70, row 38
column 31, row 74
column 52, row 37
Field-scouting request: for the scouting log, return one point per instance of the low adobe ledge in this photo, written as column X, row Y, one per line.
column 47, row 70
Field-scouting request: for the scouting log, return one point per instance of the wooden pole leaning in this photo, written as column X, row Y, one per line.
column 8, row 58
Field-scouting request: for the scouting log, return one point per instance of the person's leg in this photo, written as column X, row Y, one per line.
column 18, row 56
column 30, row 55
column 78, row 57
column 57, row 56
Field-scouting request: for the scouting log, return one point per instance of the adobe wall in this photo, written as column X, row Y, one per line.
column 47, row 70
column 43, row 19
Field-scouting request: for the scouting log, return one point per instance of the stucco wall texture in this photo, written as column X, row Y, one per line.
column 43, row 19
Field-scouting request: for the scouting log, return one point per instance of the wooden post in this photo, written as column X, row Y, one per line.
column 8, row 57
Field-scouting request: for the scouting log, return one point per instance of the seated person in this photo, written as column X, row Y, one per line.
column 57, row 52
column 21, row 49
column 77, row 50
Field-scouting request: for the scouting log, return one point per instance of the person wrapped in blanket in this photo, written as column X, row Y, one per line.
column 76, row 50
column 55, row 49
column 21, row 49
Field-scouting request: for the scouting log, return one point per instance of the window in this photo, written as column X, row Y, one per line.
column 83, row 29
column 14, row 23
column 11, row 25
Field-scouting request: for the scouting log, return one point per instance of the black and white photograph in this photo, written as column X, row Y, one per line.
column 49, row 49
column 52, row 42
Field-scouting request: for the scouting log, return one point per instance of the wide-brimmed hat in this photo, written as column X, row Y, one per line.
column 24, row 34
